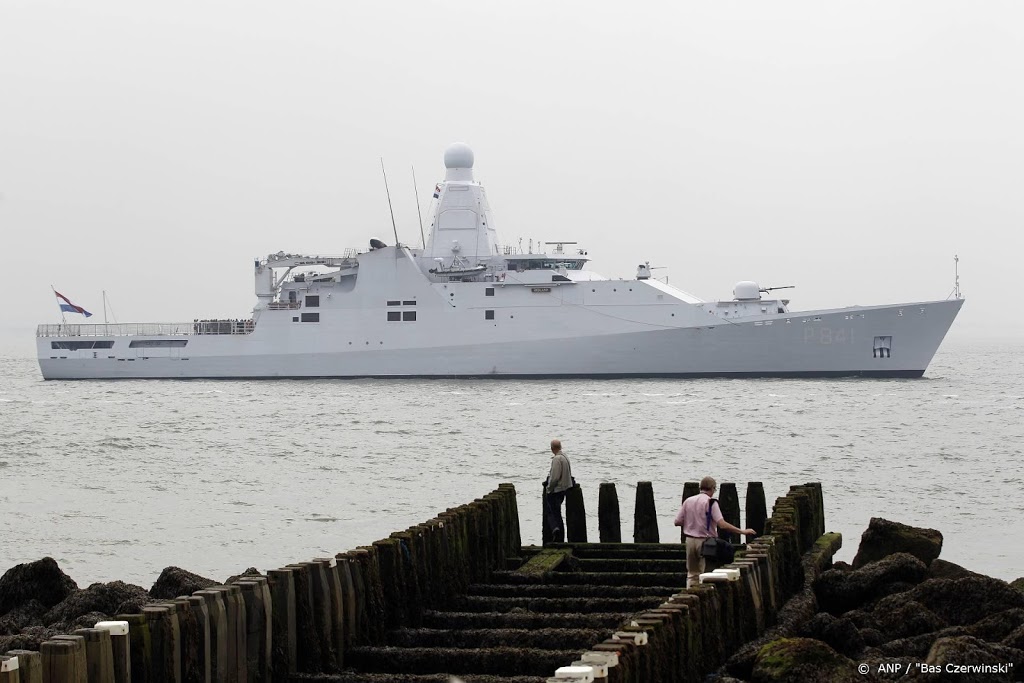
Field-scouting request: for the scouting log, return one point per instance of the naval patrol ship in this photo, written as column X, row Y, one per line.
column 463, row 305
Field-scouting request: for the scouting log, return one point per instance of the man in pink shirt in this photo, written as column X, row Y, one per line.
column 693, row 517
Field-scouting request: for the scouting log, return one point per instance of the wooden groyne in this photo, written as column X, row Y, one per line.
column 460, row 594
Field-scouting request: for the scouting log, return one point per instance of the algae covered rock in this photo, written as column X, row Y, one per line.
column 964, row 601
column 883, row 538
column 104, row 598
column 803, row 660
column 42, row 581
column 1015, row 639
column 940, row 569
column 967, row 650
column 898, row 617
column 23, row 615
column 1018, row 584
column 174, row 581
column 840, row 634
column 838, row 591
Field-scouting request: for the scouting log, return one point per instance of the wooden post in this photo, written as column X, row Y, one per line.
column 645, row 518
column 609, row 524
column 575, row 516
column 330, row 565
column 237, row 669
column 322, row 614
column 164, row 633
column 120, row 649
column 220, row 642
column 99, row 654
column 30, row 665
column 690, row 489
column 81, row 659
column 257, row 617
column 9, row 669
column 61, row 662
column 756, row 508
column 140, row 645
column 348, row 599
column 729, row 499
column 545, row 528
column 202, row 615
column 189, row 640
column 305, row 621
column 284, row 657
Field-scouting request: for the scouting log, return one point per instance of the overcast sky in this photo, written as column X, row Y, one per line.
column 850, row 149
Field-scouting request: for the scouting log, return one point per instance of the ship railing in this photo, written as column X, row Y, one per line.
column 280, row 305
column 147, row 329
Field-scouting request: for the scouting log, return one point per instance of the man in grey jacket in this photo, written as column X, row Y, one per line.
column 558, row 482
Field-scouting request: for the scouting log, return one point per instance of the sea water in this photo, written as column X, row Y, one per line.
column 119, row 479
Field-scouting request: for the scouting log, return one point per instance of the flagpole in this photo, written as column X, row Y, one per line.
column 63, row 320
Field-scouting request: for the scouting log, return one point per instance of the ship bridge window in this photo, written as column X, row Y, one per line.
column 313, row 301
column 157, row 343
column 394, row 316
column 310, row 317
column 408, row 303
column 409, row 316
column 394, row 302
column 79, row 345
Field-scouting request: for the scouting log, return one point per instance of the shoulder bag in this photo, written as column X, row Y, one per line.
column 714, row 548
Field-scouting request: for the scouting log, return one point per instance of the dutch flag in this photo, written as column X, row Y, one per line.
column 67, row 307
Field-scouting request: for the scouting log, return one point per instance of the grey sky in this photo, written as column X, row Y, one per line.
column 847, row 148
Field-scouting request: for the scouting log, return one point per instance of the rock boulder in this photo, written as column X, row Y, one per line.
column 174, row 581
column 961, row 650
column 940, row 569
column 42, row 581
column 803, row 660
column 883, row 538
column 838, row 591
column 964, row 601
column 840, row 634
column 104, row 598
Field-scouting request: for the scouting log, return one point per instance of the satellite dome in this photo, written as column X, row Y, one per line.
column 746, row 291
column 458, row 155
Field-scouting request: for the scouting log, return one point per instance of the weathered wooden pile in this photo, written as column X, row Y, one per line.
column 456, row 595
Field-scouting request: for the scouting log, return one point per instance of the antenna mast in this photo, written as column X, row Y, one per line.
column 423, row 240
column 390, row 208
column 956, row 271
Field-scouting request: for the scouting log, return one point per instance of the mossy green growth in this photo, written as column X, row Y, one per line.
column 545, row 561
column 802, row 660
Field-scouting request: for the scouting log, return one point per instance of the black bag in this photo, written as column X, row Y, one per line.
column 718, row 549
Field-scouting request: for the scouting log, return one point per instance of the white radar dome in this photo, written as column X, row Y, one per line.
column 746, row 290
column 458, row 155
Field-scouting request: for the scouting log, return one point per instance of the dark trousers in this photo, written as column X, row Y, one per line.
column 554, row 516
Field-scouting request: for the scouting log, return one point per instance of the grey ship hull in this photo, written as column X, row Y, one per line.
column 833, row 343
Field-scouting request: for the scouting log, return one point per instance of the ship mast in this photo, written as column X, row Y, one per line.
column 956, row 272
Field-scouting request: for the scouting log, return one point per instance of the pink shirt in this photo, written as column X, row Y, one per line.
column 693, row 516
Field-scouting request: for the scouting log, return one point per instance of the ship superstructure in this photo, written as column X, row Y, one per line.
column 464, row 305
